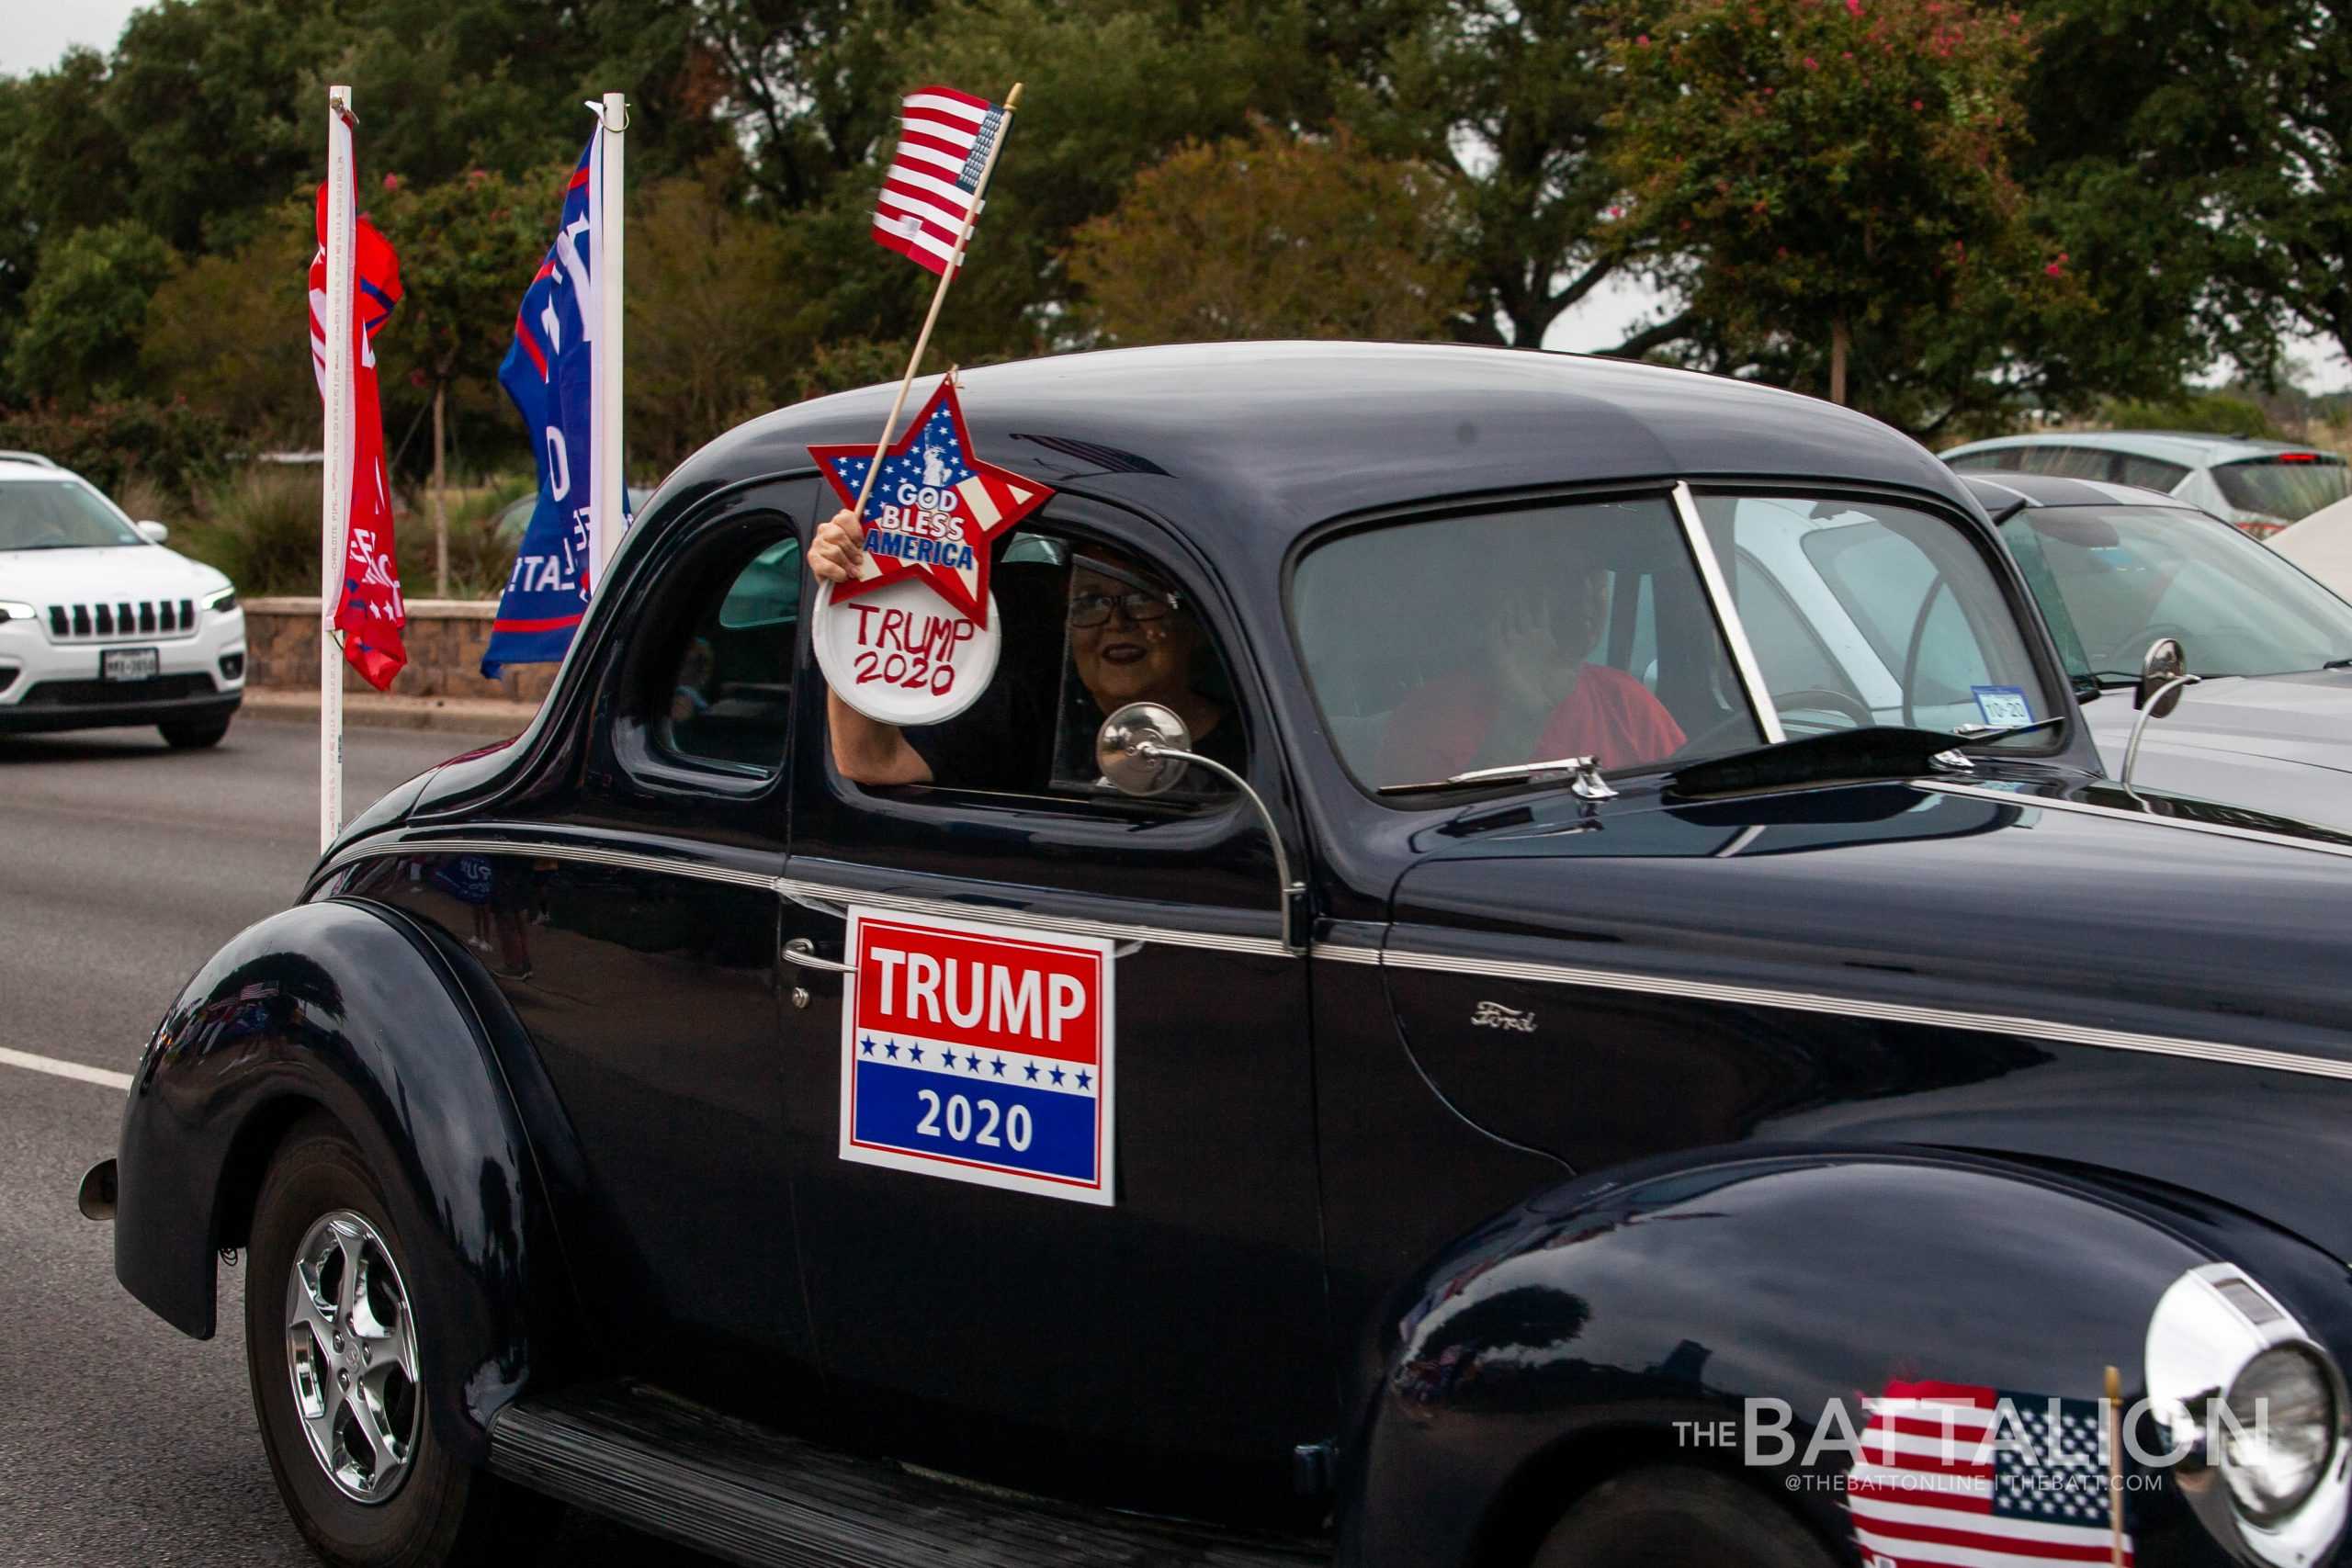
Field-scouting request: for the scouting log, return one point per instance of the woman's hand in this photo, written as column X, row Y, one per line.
column 835, row 554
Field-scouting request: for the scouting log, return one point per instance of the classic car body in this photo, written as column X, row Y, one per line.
column 1570, row 1122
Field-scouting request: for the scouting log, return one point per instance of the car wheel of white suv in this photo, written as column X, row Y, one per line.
column 189, row 734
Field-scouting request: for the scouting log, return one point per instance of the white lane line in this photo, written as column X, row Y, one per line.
column 31, row 1063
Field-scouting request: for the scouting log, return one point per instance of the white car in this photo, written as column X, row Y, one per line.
column 2260, row 486
column 100, row 625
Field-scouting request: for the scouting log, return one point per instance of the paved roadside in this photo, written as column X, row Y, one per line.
column 126, row 864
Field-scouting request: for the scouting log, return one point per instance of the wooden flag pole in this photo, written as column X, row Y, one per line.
column 938, row 297
column 2115, row 1466
column 335, row 473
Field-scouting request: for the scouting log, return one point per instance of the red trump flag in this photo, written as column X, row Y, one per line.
column 370, row 612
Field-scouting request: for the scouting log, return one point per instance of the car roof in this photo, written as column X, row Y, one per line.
column 1997, row 492
column 2197, row 449
column 1255, row 442
column 13, row 468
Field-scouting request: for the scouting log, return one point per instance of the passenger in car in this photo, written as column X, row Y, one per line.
column 1536, row 697
column 1131, row 639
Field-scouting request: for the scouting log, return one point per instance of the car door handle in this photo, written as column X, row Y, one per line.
column 803, row 952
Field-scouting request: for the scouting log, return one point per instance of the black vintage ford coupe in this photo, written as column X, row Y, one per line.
column 1562, row 1077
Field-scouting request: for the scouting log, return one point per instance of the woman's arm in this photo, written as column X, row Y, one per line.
column 866, row 751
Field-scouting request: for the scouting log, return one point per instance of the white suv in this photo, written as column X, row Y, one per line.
column 100, row 625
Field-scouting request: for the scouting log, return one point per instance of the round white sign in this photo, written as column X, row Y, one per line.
column 902, row 654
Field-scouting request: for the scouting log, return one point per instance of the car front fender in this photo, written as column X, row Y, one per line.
column 1631, row 1319
column 344, row 1008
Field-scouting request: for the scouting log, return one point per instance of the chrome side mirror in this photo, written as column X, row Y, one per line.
column 2164, row 671
column 153, row 533
column 2164, row 675
column 1133, row 745
column 1143, row 748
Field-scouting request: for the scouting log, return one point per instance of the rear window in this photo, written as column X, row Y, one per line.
column 2287, row 487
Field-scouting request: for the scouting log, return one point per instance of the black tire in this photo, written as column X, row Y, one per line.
column 193, row 733
column 440, row 1513
column 1677, row 1517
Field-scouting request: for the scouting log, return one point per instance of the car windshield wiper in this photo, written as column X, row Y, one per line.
column 1584, row 771
column 1880, row 751
column 2344, row 663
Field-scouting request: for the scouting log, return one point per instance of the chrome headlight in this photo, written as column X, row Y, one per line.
column 220, row 600
column 12, row 611
column 2280, row 1434
column 2238, row 1386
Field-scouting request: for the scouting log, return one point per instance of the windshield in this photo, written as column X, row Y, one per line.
column 1869, row 613
column 1493, row 639
column 2113, row 578
column 2286, row 488
column 45, row 514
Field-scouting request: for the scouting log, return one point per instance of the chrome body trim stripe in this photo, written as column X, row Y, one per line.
column 623, row 860
column 1027, row 920
column 1710, row 574
column 1347, row 952
column 787, row 887
column 1888, row 1012
column 2149, row 819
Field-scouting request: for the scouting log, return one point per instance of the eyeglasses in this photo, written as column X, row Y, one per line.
column 1095, row 609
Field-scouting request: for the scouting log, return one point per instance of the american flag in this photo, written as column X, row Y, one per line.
column 1963, row 1477
column 932, row 185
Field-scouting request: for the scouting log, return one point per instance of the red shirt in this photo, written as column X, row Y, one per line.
column 1440, row 728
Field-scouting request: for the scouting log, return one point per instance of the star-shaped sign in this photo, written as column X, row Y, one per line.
column 935, row 507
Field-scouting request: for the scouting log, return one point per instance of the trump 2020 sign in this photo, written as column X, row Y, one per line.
column 979, row 1052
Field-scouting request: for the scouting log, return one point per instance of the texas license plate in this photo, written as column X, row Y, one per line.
column 129, row 663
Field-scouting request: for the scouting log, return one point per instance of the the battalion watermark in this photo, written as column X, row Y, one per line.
column 2056, row 1440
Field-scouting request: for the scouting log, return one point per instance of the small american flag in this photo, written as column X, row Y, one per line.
column 1963, row 1477
column 932, row 188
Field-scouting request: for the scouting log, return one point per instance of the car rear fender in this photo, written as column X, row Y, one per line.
column 1629, row 1318
column 345, row 1008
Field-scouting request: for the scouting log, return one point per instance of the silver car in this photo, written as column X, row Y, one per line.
column 2261, row 486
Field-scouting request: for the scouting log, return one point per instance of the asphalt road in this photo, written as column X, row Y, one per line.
column 123, row 865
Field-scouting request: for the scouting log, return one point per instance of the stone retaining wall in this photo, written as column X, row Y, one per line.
column 445, row 638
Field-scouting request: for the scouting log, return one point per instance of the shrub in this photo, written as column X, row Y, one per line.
column 176, row 448
column 261, row 528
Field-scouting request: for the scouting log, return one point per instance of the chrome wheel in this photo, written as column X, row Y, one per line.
column 351, row 1354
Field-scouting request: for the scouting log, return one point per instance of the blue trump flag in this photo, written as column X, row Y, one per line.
column 548, row 371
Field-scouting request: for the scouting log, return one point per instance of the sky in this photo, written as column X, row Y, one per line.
column 34, row 33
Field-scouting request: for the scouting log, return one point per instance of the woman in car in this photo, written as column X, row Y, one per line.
column 1131, row 640
column 1536, row 697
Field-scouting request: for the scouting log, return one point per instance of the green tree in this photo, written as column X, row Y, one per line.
column 228, row 332
column 2153, row 152
column 467, row 246
column 1818, row 172
column 85, row 311
column 1510, row 98
column 711, row 333
column 1273, row 235
column 1112, row 87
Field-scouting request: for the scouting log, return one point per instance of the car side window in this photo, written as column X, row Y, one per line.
column 2151, row 473
column 730, row 698
column 2001, row 459
column 1088, row 629
column 2071, row 462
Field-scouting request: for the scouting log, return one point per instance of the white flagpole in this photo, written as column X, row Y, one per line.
column 335, row 481
column 608, row 497
column 938, row 297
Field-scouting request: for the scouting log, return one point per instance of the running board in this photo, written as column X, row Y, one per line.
column 759, row 1498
